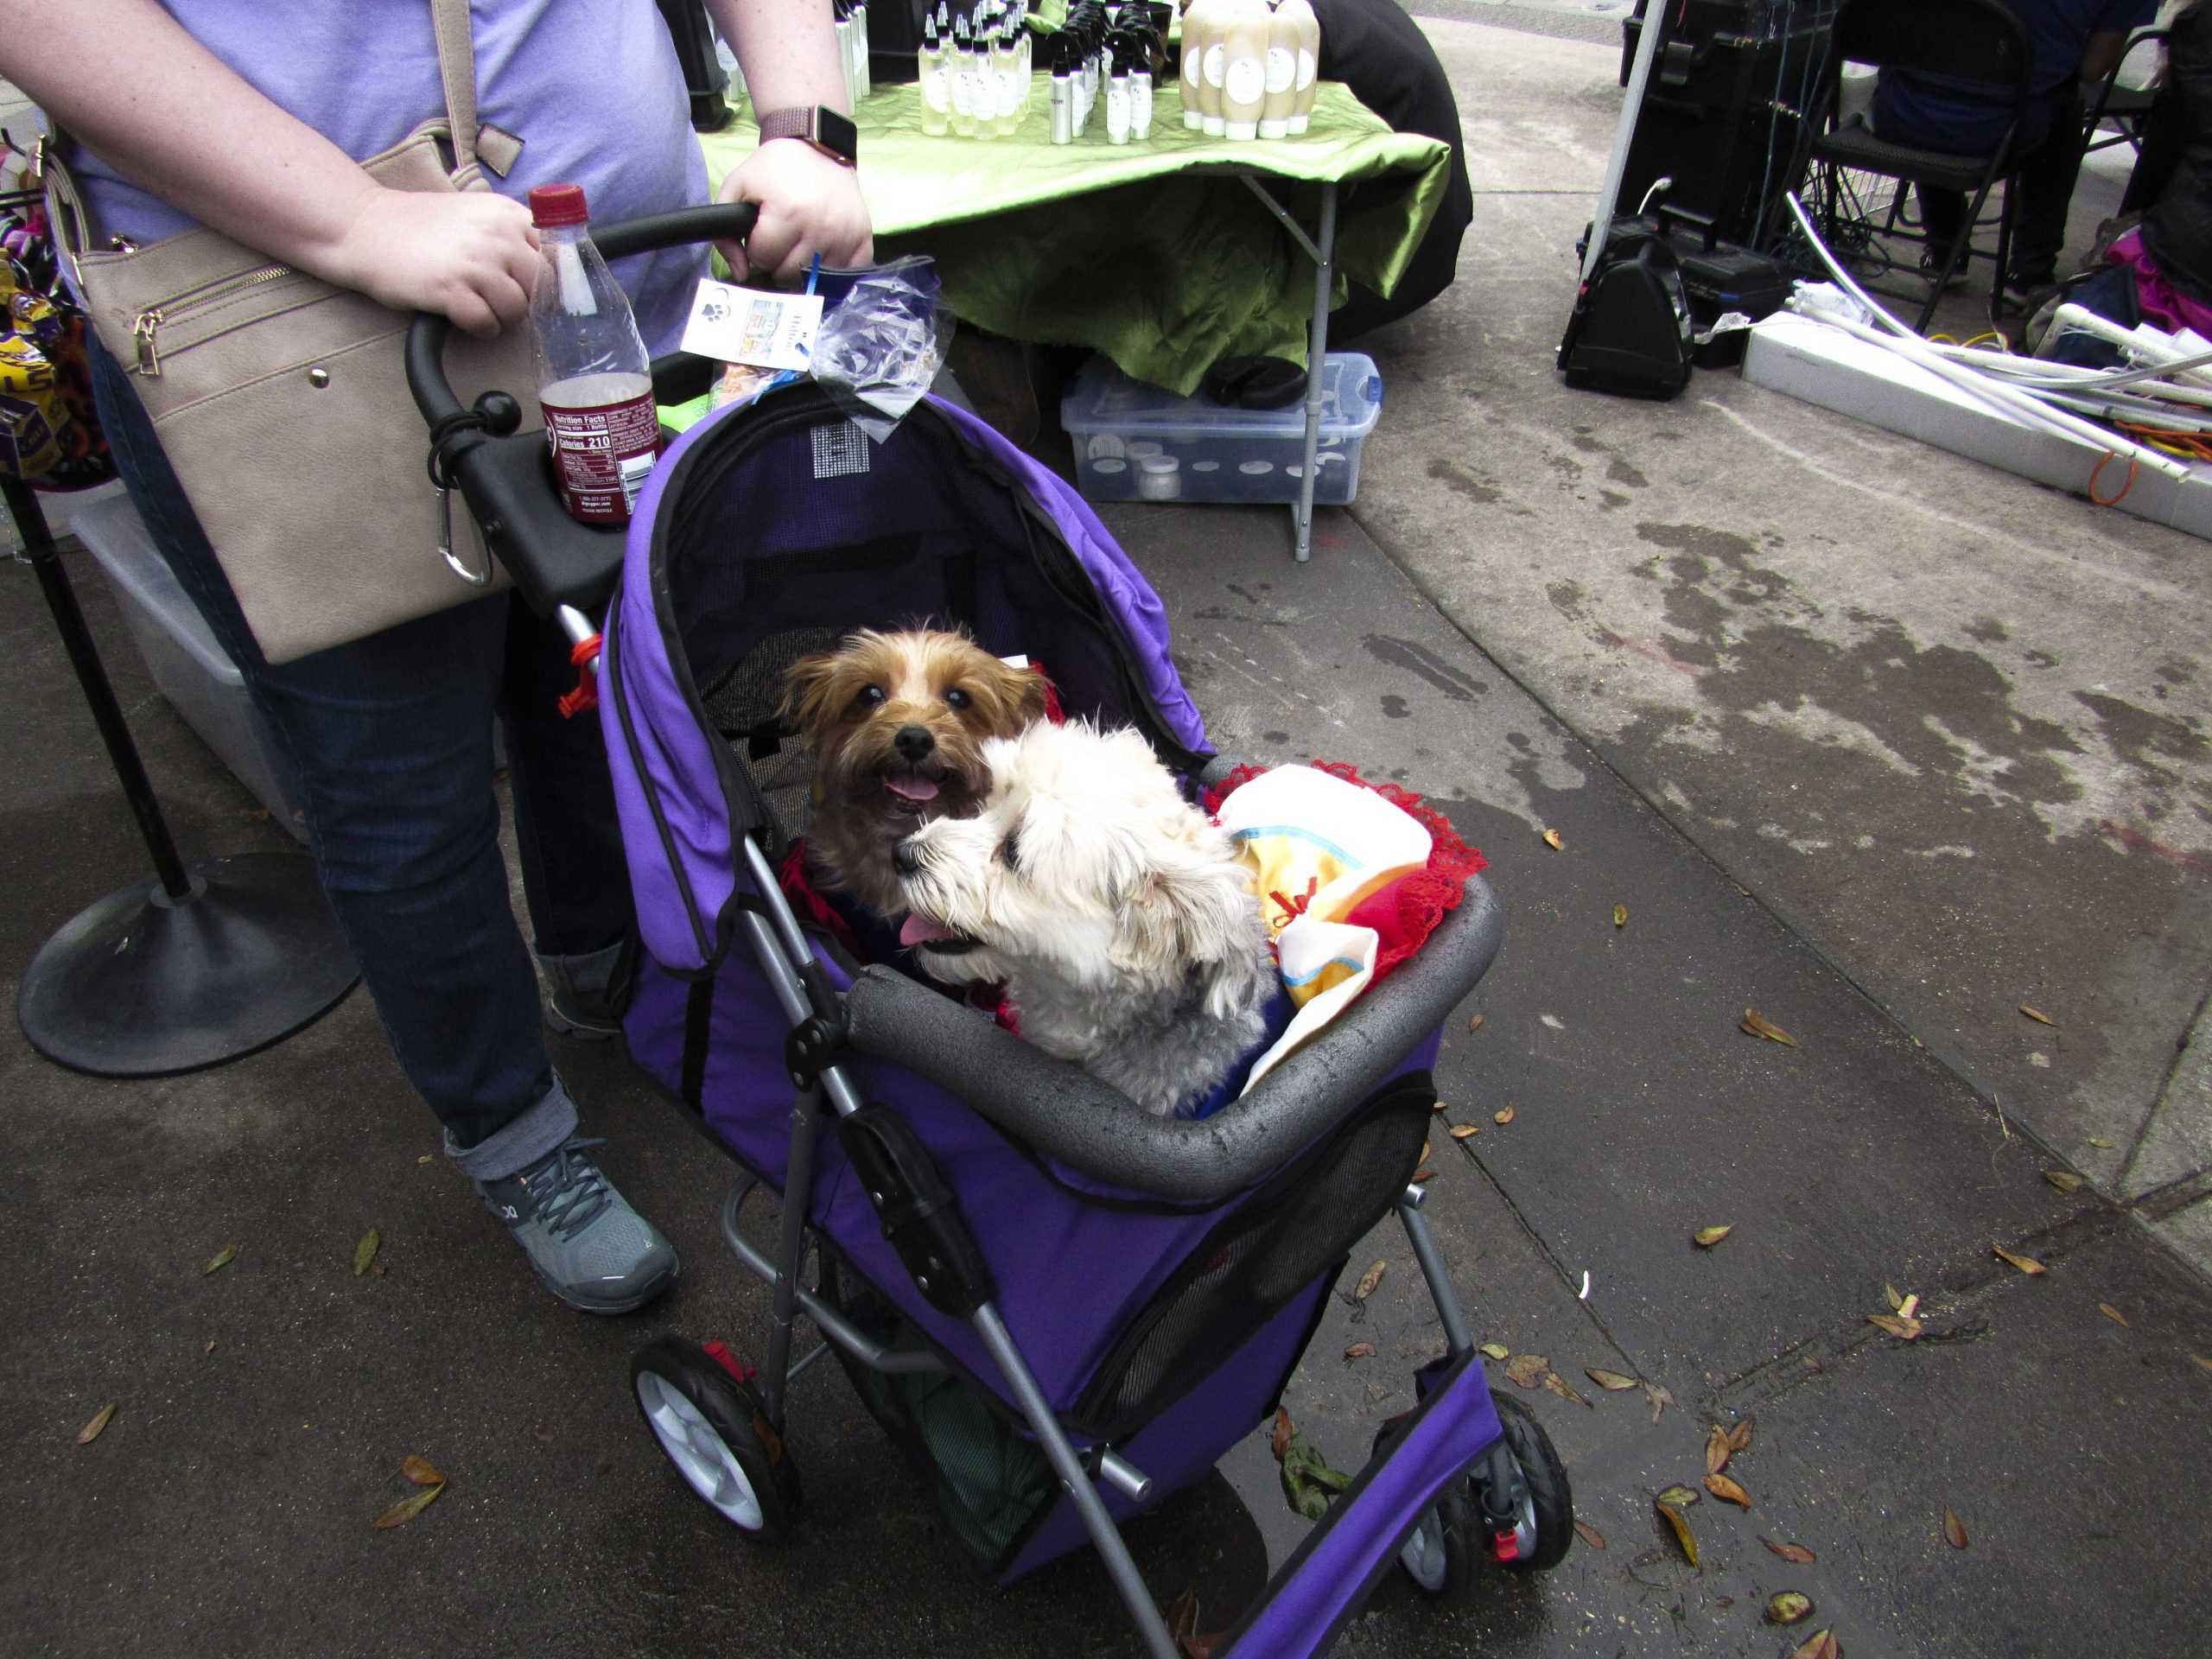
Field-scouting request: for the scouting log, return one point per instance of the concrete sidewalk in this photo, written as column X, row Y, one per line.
column 1707, row 642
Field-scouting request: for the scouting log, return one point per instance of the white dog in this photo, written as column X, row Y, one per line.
column 1119, row 920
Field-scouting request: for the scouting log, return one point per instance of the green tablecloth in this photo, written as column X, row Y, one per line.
column 1149, row 252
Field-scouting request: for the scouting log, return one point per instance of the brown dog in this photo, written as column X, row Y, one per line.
column 897, row 723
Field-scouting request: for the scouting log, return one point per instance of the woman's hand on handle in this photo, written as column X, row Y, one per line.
column 808, row 205
column 472, row 256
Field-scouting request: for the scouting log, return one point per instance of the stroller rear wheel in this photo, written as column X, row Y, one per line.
column 711, row 1427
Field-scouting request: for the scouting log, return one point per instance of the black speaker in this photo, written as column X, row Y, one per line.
column 1630, row 333
column 1722, row 116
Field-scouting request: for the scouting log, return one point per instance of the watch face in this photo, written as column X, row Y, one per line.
column 837, row 132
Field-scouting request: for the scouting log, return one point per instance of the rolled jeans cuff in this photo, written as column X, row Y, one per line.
column 522, row 1140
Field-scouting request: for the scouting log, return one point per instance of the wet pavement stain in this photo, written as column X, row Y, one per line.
column 1419, row 660
column 1621, row 473
column 1394, row 707
column 1988, row 631
column 1462, row 483
column 1567, row 598
column 1611, row 501
column 2136, row 736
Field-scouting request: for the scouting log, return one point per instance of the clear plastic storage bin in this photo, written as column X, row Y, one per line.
column 1135, row 443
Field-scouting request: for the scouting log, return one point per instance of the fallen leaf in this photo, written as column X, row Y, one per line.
column 1182, row 1624
column 1436, row 1106
column 1502, row 1118
column 2038, row 1016
column 1283, row 1431
column 408, row 1508
column 1739, row 1437
column 1560, row 1386
column 1727, row 1491
column 1908, row 1308
column 1462, row 1131
column 1718, row 1451
column 1659, row 1397
column 424, row 1159
column 2026, row 1264
column 1496, row 1350
column 2100, row 1143
column 1759, row 1026
column 365, row 1252
column 1368, row 1281
column 210, row 1348
column 1680, row 1496
column 1680, row 1523
column 1954, row 1530
column 1552, row 840
column 228, row 1255
column 1789, row 1607
column 2112, row 1313
column 377, row 1268
column 1612, row 1380
column 1705, row 1237
column 2201, row 1360
column 90, row 1431
column 1903, row 1329
column 541, row 1431
column 1421, row 1177
column 1360, row 1350
column 1475, row 1022
column 1589, row 1534
column 1820, row 1645
column 1527, row 1369
column 1424, row 1151
column 421, row 1471
column 1795, row 1554
column 2064, row 1180
column 1308, row 1482
column 1620, row 915
column 1890, row 1295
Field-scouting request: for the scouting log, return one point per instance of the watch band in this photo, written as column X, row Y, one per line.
column 828, row 130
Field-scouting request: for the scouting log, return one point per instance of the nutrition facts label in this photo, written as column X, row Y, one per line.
column 602, row 453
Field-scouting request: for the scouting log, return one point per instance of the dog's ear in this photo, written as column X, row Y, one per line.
column 1017, row 693
column 811, row 690
column 1197, row 914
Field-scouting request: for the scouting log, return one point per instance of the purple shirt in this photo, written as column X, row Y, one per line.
column 591, row 86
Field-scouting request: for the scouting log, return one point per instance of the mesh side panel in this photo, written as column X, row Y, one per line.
column 1259, row 1258
column 744, row 701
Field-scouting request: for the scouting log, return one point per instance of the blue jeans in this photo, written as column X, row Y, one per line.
column 390, row 739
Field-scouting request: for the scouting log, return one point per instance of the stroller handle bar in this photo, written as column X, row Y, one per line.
column 1061, row 1109
column 426, row 336
column 502, row 471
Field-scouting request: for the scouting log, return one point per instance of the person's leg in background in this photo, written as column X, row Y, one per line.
column 2050, row 162
column 391, row 739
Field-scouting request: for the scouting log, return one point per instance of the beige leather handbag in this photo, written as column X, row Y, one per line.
column 281, row 403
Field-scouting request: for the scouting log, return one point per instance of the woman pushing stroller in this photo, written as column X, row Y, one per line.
column 192, row 113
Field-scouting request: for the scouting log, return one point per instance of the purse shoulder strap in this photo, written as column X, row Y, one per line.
column 74, row 230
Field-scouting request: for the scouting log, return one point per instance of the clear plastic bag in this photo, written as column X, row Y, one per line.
column 880, row 348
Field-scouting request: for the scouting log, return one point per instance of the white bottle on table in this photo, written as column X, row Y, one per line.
column 935, row 83
column 1282, row 76
column 1307, row 84
column 1194, row 28
column 1244, row 71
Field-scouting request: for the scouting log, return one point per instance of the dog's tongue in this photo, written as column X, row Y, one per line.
column 911, row 789
column 919, row 930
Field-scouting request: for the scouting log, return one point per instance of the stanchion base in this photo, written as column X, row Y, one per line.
column 140, row 985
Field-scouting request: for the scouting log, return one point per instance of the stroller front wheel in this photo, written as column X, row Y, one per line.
column 711, row 1428
column 1543, row 1505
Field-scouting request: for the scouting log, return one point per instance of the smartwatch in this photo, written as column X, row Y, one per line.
column 833, row 134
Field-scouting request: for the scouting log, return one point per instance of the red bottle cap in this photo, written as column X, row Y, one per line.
column 557, row 204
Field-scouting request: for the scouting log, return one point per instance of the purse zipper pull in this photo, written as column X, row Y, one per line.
column 142, row 332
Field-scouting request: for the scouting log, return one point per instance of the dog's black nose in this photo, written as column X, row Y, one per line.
column 905, row 859
column 913, row 743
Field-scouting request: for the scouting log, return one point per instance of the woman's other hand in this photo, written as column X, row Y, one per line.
column 808, row 205
column 471, row 256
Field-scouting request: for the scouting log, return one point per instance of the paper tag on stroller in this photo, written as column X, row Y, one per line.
column 746, row 325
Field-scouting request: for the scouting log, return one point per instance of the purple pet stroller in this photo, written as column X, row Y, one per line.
column 1063, row 1309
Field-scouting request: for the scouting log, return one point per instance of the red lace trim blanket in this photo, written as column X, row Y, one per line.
column 1407, row 911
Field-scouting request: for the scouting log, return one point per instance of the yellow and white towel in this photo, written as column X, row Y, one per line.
column 1315, row 838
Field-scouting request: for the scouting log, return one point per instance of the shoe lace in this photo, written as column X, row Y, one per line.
column 570, row 1188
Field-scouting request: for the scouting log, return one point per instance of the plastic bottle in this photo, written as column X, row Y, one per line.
column 1141, row 91
column 594, row 380
column 1282, row 76
column 1309, row 60
column 1117, row 99
column 960, row 65
column 1213, row 61
column 1006, row 78
column 1244, row 70
column 1063, row 92
column 1198, row 29
column 936, row 82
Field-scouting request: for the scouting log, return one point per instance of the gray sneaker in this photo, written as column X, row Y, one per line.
column 585, row 995
column 591, row 1249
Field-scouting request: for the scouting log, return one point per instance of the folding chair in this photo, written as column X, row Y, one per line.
column 2127, row 108
column 1977, row 42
